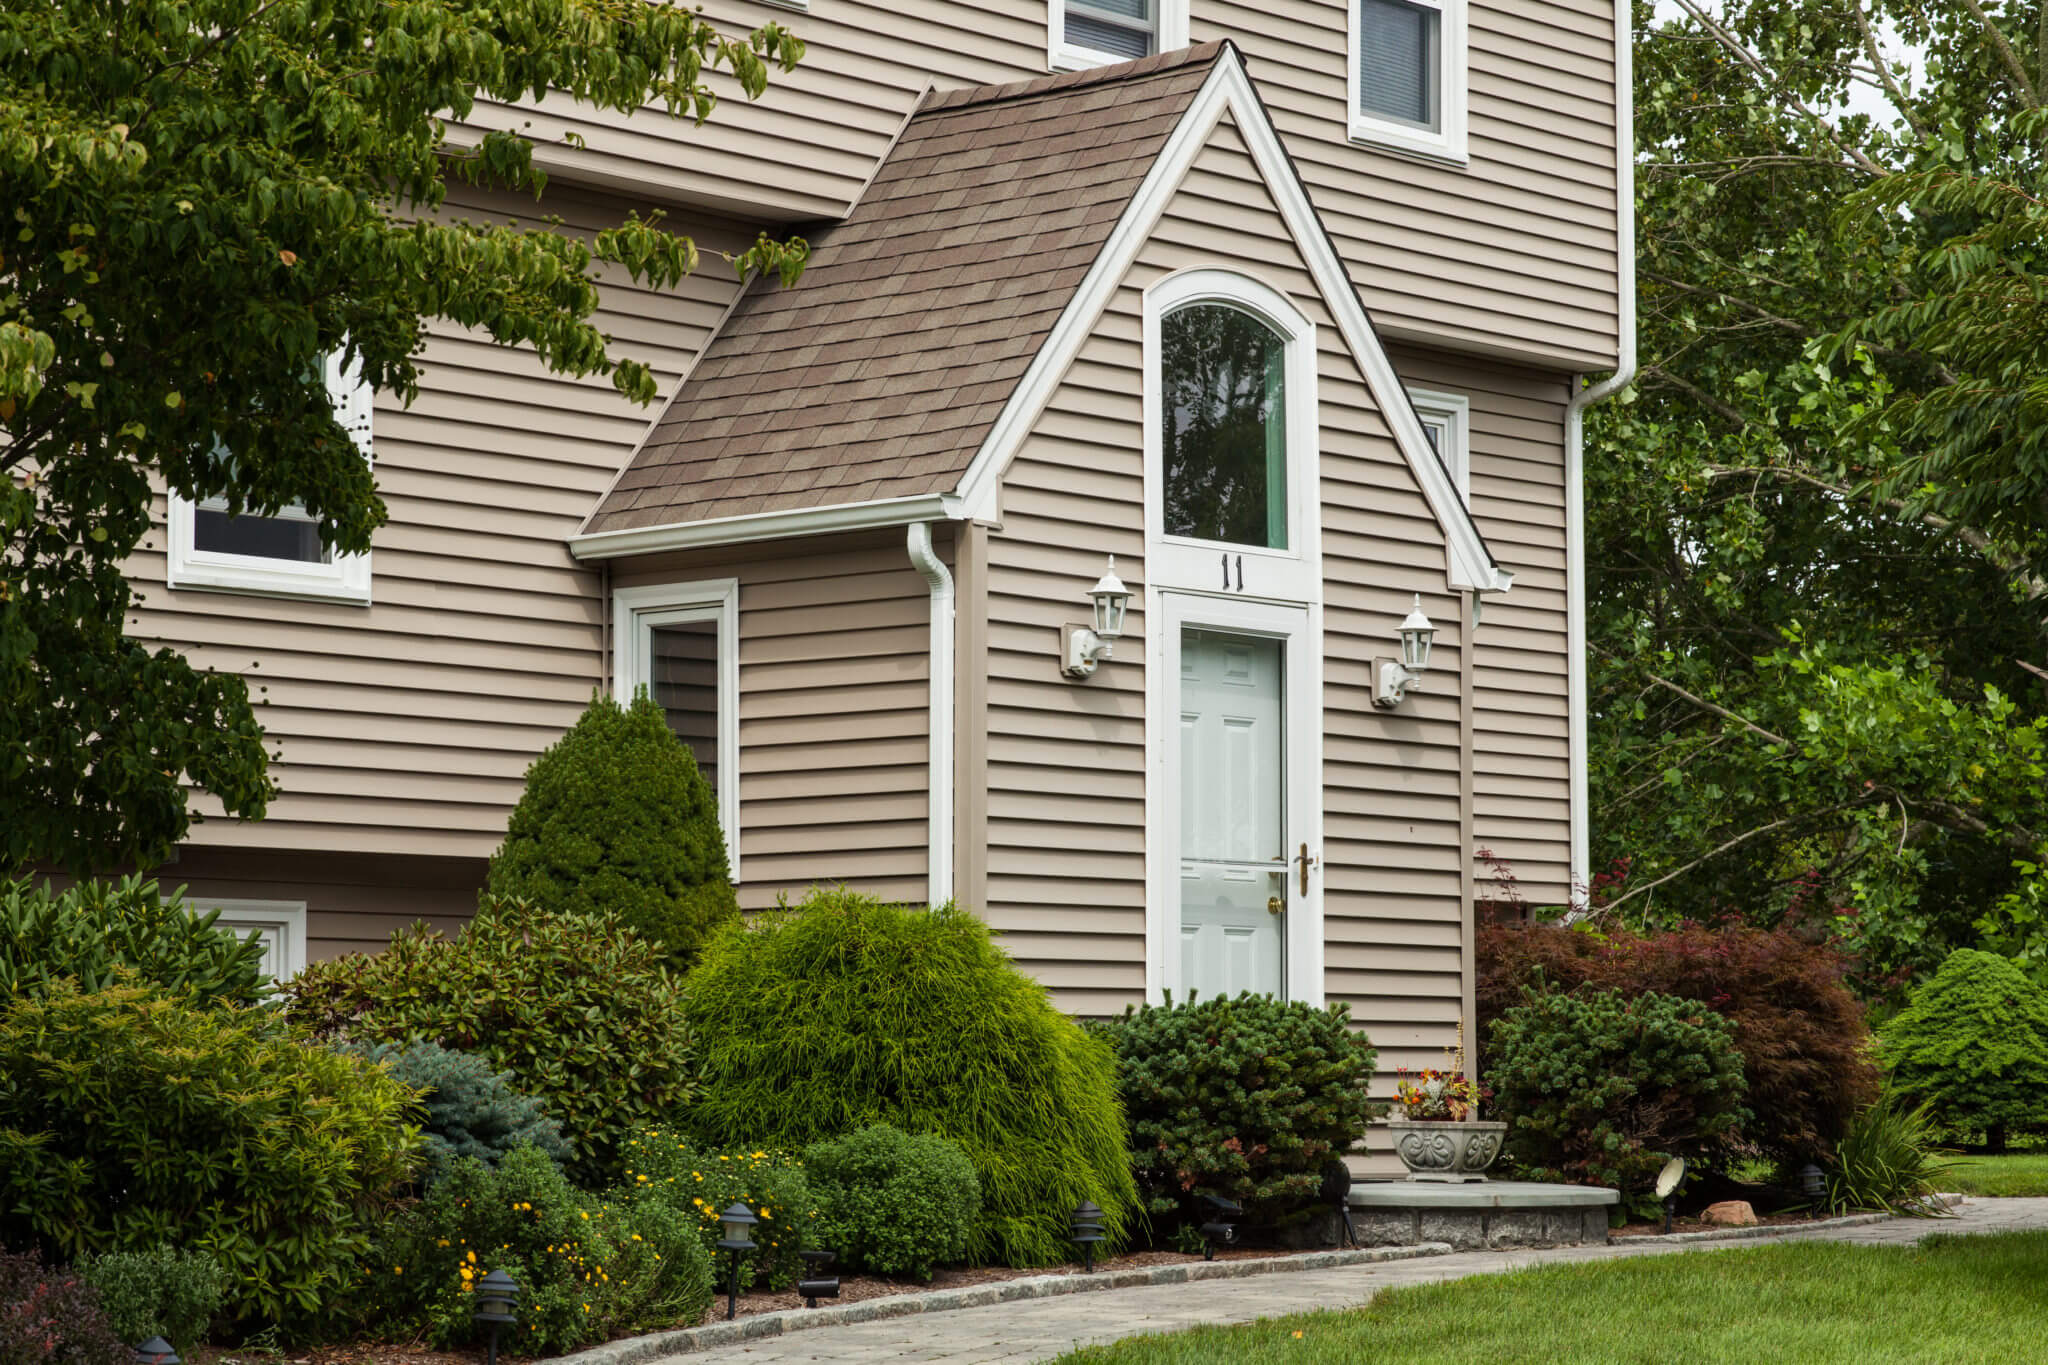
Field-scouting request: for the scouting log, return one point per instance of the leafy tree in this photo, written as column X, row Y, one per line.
column 617, row 818
column 1973, row 1043
column 204, row 199
column 1814, row 634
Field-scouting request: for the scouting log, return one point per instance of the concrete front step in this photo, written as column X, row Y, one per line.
column 1491, row 1213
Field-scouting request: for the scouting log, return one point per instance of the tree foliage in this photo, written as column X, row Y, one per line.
column 204, row 198
column 1973, row 1043
column 1816, row 610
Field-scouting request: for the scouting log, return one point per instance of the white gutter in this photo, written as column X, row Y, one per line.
column 757, row 526
column 939, row 837
column 1574, row 446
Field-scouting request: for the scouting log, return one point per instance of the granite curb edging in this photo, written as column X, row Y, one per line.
column 1854, row 1220
column 681, row 1341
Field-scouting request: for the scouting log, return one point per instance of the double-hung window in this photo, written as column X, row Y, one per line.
column 279, row 554
column 1408, row 75
column 1097, row 32
column 680, row 642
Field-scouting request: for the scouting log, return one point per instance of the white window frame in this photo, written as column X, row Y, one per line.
column 286, row 920
column 635, row 613
column 343, row 578
column 1064, row 56
column 1290, row 575
column 1450, row 414
column 1448, row 142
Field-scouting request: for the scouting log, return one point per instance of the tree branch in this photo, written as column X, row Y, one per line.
column 2010, row 59
column 1723, row 711
column 1737, row 842
column 1884, row 73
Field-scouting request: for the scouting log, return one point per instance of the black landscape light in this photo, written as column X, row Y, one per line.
column 1813, row 1182
column 735, row 1220
column 1221, row 1229
column 819, row 1285
column 1087, row 1232
column 155, row 1351
column 496, row 1304
column 1337, row 1191
column 1668, row 1181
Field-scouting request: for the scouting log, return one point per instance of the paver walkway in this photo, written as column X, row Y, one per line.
column 1039, row 1329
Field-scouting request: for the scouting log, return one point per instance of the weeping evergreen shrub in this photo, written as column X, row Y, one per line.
column 846, row 1012
column 617, row 819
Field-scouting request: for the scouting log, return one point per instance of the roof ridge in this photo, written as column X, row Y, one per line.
column 1158, row 64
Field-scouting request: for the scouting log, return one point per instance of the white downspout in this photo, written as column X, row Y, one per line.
column 1574, row 445
column 939, row 837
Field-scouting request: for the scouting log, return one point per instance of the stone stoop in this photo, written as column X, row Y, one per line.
column 1493, row 1213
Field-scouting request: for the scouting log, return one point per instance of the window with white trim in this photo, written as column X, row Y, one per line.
column 1407, row 75
column 1099, row 32
column 680, row 641
column 281, row 925
column 1446, row 420
column 278, row 554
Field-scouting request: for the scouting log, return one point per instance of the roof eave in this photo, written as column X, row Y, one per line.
column 788, row 524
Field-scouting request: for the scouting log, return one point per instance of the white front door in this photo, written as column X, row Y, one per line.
column 1241, row 778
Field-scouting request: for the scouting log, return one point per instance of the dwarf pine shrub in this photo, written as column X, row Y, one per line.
column 846, row 1012
column 617, row 818
column 469, row 1109
column 1973, row 1043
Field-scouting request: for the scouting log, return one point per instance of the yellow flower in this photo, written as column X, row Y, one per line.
column 636, row 1236
column 472, row 1258
column 398, row 1270
column 1297, row 1336
column 442, row 1242
column 586, row 1215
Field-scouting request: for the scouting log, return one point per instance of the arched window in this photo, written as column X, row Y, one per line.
column 1223, row 438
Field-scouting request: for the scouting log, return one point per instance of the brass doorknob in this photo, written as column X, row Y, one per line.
column 1274, row 905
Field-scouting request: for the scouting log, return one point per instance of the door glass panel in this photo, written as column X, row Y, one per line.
column 1225, row 442
column 683, row 680
column 1233, row 820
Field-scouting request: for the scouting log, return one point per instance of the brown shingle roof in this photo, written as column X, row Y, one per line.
column 880, row 372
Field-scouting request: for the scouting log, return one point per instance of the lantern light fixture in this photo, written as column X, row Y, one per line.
column 1813, row 1182
column 1087, row 1232
column 495, row 1303
column 1082, row 647
column 155, row 1351
column 734, row 1222
column 817, row 1284
column 1395, row 676
column 1221, row 1229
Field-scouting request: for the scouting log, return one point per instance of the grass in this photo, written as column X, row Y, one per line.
column 2020, row 1173
column 1951, row 1301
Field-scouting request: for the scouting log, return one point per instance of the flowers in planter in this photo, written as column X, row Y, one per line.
column 1441, row 1096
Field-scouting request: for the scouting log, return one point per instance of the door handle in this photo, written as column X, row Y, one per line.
column 1275, row 906
column 1306, row 863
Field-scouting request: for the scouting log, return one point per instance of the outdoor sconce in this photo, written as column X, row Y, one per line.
column 1221, row 1229
column 155, row 1351
column 497, row 1303
column 1087, row 1232
column 1081, row 647
column 819, row 1285
column 735, row 1221
column 1395, row 677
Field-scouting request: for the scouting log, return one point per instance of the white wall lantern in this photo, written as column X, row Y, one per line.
column 1397, row 676
column 1082, row 648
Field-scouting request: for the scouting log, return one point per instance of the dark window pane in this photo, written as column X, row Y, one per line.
column 684, row 684
column 1397, row 61
column 258, row 537
column 1084, row 30
column 1225, row 443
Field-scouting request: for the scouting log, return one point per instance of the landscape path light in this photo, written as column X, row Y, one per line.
column 155, row 1351
column 495, row 1303
column 1813, row 1182
column 1221, row 1229
column 1084, row 646
column 735, row 1221
column 819, row 1285
column 1395, row 676
column 1087, row 1232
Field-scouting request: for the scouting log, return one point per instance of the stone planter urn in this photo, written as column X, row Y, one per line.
column 1447, row 1149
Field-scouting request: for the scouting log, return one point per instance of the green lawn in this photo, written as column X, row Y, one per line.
column 1953, row 1300
column 2022, row 1173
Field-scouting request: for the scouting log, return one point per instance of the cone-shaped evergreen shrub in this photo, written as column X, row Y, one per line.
column 1973, row 1043
column 617, row 818
column 846, row 1012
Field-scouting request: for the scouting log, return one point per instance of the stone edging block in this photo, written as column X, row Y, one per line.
column 683, row 1340
column 1854, row 1220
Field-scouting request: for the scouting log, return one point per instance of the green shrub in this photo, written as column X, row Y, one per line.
column 130, row 1119
column 616, row 817
column 1887, row 1160
column 1247, row 1098
column 1602, row 1088
column 662, row 1165
column 92, row 931
column 160, row 1293
column 51, row 1317
column 891, row 1202
column 470, row 1110
column 1973, row 1043
column 588, row 1269
column 583, row 1013
column 847, row 1012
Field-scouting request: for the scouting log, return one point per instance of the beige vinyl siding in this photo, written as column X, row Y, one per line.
column 1513, row 254
column 406, row 726
column 354, row 903
column 835, row 687
column 1521, row 777
column 1066, row 768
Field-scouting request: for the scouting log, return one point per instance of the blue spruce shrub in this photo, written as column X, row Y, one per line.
column 470, row 1110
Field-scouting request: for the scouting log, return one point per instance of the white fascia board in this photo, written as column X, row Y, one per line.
column 1471, row 565
column 758, row 526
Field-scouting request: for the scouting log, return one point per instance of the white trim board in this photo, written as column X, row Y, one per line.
column 1470, row 564
column 282, row 923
